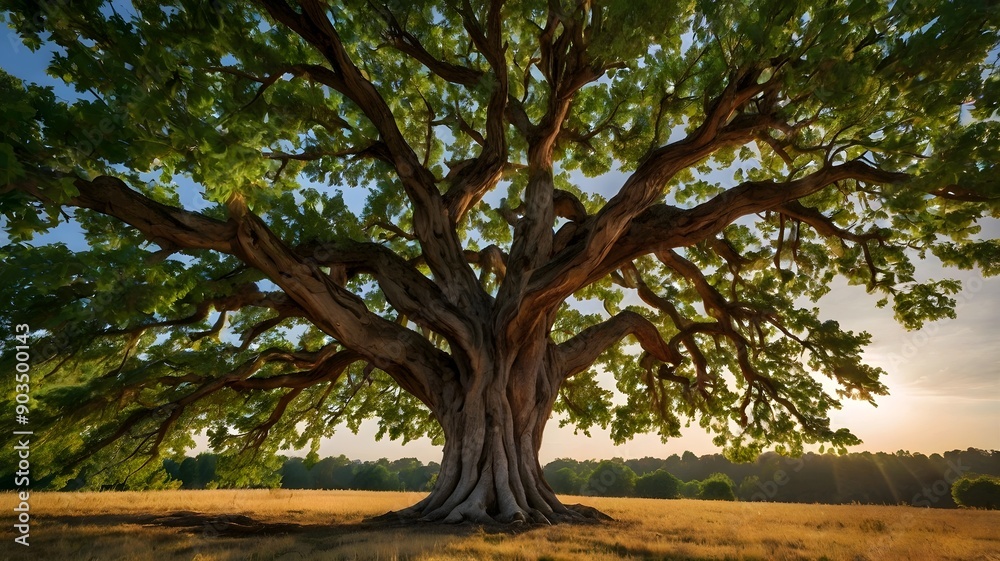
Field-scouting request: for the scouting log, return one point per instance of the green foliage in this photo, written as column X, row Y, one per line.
column 977, row 491
column 565, row 481
column 717, row 487
column 690, row 490
column 195, row 105
column 749, row 488
column 659, row 484
column 610, row 478
column 377, row 478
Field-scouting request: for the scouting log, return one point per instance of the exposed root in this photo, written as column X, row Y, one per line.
column 588, row 512
column 471, row 513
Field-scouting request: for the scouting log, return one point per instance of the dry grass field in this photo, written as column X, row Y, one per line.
column 284, row 525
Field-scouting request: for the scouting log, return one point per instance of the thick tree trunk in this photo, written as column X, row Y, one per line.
column 490, row 472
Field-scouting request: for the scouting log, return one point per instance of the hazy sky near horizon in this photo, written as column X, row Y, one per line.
column 944, row 380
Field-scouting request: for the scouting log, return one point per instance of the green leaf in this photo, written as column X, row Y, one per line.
column 10, row 168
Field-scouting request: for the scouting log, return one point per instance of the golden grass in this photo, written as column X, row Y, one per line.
column 98, row 526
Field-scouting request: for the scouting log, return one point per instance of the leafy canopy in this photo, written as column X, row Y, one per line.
column 808, row 140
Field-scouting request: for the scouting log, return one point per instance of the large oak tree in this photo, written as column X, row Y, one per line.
column 288, row 216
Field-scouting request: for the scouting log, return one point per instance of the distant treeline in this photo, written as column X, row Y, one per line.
column 407, row 474
column 866, row 478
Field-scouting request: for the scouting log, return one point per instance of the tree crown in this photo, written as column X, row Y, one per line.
column 299, row 216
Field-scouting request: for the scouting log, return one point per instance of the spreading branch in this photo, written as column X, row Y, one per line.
column 581, row 351
column 567, row 271
column 432, row 225
column 336, row 311
column 167, row 226
column 665, row 227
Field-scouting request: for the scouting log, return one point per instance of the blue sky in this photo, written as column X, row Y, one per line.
column 944, row 380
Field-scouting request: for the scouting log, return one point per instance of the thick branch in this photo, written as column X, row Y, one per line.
column 686, row 328
column 408, row 44
column 175, row 227
column 475, row 180
column 958, row 193
column 566, row 205
column 665, row 227
column 567, row 67
column 581, row 351
column 405, row 288
column 826, row 227
column 491, row 259
column 432, row 225
column 238, row 297
column 326, row 369
column 167, row 226
column 823, row 225
column 552, row 283
column 405, row 355
column 170, row 412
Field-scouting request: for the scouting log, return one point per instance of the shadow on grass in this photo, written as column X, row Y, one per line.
column 236, row 525
column 224, row 534
column 239, row 525
column 207, row 525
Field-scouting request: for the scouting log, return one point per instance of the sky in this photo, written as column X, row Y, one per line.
column 944, row 380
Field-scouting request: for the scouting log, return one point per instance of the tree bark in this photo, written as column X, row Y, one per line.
column 490, row 472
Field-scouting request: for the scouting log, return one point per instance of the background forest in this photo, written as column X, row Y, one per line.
column 864, row 477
